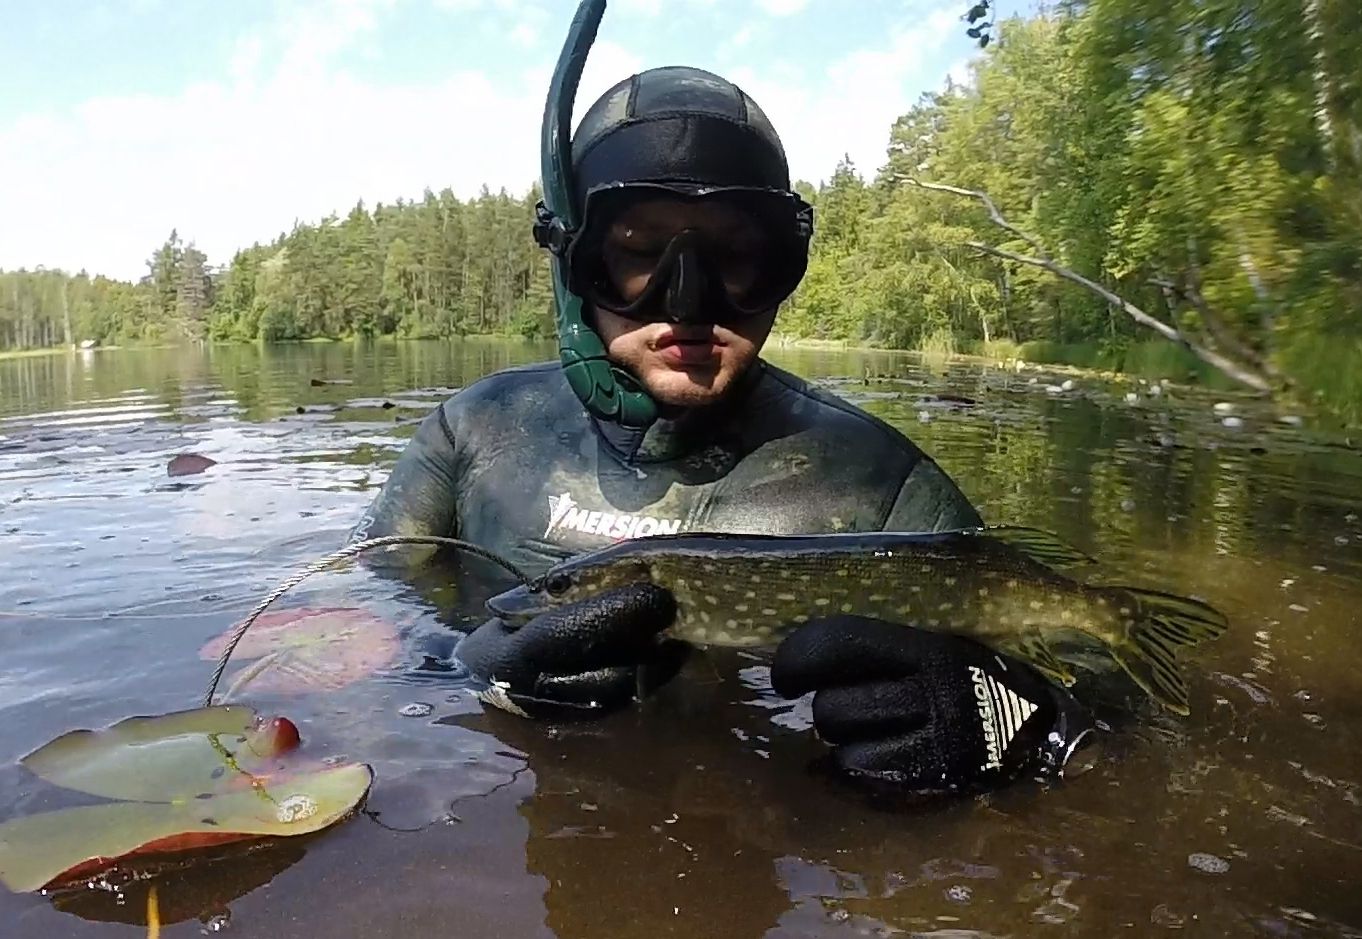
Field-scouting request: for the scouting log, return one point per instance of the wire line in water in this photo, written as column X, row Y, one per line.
column 343, row 554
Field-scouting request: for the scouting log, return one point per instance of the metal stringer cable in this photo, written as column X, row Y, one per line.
column 345, row 553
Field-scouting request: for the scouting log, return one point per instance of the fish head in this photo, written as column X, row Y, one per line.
column 566, row 583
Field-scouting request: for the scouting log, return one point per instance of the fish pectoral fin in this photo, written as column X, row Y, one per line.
column 1038, row 545
column 1033, row 650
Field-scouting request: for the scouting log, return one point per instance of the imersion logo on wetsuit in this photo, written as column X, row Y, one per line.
column 566, row 515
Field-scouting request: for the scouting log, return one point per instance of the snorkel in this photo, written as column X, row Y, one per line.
column 607, row 391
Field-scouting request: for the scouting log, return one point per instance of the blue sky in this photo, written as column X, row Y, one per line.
column 120, row 119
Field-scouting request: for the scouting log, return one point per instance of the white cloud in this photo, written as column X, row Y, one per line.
column 782, row 7
column 850, row 108
column 288, row 134
column 739, row 40
column 642, row 7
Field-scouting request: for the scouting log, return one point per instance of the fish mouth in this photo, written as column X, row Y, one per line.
column 520, row 603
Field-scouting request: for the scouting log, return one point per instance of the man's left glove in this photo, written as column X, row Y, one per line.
column 925, row 711
column 587, row 657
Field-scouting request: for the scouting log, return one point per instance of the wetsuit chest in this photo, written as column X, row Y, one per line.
column 540, row 480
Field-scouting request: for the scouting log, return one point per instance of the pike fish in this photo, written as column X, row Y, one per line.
column 999, row 586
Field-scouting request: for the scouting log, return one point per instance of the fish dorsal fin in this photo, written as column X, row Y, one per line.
column 1038, row 545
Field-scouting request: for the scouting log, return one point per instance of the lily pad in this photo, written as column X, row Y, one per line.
column 161, row 758
column 309, row 649
column 188, row 464
column 200, row 778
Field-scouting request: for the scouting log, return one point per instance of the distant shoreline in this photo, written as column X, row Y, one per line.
column 1002, row 354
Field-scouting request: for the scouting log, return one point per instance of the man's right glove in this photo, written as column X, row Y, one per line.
column 584, row 658
column 926, row 711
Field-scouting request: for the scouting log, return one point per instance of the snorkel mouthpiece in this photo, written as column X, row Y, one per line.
column 606, row 391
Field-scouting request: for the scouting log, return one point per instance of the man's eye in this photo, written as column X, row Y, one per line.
column 557, row 584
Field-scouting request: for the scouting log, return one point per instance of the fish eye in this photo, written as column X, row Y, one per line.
column 557, row 584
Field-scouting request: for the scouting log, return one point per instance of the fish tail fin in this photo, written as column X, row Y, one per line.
column 1163, row 624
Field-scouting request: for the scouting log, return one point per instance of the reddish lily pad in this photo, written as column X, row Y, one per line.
column 189, row 464
column 309, row 649
column 202, row 778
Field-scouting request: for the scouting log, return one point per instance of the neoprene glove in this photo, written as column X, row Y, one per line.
column 587, row 657
column 926, row 711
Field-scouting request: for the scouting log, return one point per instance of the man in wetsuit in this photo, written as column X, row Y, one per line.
column 689, row 239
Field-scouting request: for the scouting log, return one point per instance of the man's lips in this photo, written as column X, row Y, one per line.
column 688, row 350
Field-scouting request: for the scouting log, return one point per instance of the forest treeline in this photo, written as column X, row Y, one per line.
column 1201, row 160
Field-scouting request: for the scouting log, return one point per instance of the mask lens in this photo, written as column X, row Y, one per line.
column 744, row 243
column 630, row 262
column 748, row 247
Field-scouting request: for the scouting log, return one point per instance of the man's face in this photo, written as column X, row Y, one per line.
column 681, row 364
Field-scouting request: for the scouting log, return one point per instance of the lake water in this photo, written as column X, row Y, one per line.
column 695, row 814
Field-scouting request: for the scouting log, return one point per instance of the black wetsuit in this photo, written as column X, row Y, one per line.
column 514, row 463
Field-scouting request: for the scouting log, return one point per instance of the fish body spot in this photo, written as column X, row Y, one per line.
column 731, row 624
column 983, row 591
column 867, row 581
column 711, row 599
column 847, row 608
column 704, row 616
column 785, row 596
column 1125, row 611
column 1012, row 584
column 749, row 595
column 740, row 607
column 878, row 598
column 800, row 618
column 1035, row 604
column 914, row 588
column 755, row 578
column 950, row 581
column 905, row 610
column 945, row 606
column 821, row 601
column 768, row 612
column 842, row 572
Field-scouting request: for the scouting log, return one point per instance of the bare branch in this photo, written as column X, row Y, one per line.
column 1255, row 279
column 1234, row 370
column 1215, row 326
column 1240, row 373
column 993, row 212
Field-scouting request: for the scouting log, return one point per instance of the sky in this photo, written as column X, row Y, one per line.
column 123, row 119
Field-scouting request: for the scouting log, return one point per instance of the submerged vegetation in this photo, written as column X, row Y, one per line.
column 1200, row 162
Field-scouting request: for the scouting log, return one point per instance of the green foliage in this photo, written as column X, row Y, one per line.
column 435, row 268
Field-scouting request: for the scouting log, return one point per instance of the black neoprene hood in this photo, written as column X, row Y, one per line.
column 677, row 125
